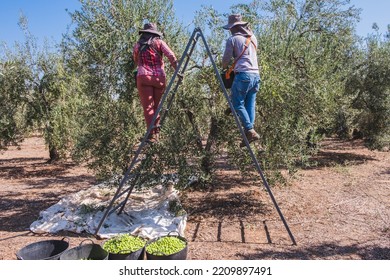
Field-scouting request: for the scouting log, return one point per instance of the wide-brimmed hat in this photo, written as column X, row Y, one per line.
column 233, row 21
column 150, row 28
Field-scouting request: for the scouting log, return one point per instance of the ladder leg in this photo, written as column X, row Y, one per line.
column 129, row 193
column 186, row 56
column 254, row 159
column 143, row 142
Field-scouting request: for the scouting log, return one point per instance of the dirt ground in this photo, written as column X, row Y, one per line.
column 338, row 210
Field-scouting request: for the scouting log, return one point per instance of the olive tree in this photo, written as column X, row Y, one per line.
column 304, row 56
column 37, row 93
column 304, row 53
column 305, row 49
column 100, row 48
column 13, row 76
column 368, row 86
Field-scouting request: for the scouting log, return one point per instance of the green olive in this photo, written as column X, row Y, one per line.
column 124, row 244
column 165, row 246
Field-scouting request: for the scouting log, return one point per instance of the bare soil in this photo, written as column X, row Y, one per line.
column 338, row 210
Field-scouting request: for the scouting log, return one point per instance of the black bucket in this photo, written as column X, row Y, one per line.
column 43, row 250
column 85, row 252
column 127, row 255
column 181, row 255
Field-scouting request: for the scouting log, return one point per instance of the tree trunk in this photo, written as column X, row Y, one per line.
column 207, row 161
column 53, row 154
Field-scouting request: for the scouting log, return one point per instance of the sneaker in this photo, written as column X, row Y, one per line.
column 153, row 138
column 251, row 135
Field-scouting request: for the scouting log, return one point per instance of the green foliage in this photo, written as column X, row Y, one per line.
column 303, row 54
column 368, row 86
column 316, row 81
column 101, row 48
column 90, row 208
column 13, row 73
column 304, row 60
column 38, row 93
column 176, row 208
column 304, row 48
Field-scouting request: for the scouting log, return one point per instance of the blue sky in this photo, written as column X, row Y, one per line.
column 48, row 19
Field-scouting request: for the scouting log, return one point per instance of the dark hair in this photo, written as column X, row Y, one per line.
column 148, row 38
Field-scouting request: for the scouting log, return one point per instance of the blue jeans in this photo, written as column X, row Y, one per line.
column 244, row 89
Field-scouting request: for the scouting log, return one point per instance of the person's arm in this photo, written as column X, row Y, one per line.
column 135, row 54
column 169, row 54
column 228, row 54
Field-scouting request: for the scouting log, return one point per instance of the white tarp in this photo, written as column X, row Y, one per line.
column 149, row 213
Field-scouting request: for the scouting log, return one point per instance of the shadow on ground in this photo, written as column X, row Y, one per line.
column 330, row 159
column 324, row 251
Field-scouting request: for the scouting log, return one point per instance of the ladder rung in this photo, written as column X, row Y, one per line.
column 123, row 192
column 115, row 208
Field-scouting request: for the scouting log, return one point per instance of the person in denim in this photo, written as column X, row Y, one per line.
column 246, row 82
column 148, row 55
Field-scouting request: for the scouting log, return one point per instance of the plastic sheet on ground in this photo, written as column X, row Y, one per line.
column 149, row 213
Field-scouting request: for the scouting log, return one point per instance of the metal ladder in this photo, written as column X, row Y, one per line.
column 182, row 66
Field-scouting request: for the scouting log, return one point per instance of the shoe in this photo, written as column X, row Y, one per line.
column 251, row 135
column 154, row 138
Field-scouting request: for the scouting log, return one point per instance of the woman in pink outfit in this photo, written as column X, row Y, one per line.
column 148, row 55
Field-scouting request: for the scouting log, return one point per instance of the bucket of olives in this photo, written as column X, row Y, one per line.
column 125, row 247
column 168, row 247
column 85, row 252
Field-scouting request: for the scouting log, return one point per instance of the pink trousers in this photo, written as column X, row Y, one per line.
column 150, row 90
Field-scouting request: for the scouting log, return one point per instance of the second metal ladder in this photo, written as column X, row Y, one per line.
column 171, row 91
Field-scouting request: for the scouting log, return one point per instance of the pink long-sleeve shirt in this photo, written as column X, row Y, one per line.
column 151, row 63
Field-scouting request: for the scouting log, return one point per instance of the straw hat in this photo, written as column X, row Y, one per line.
column 233, row 21
column 150, row 28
